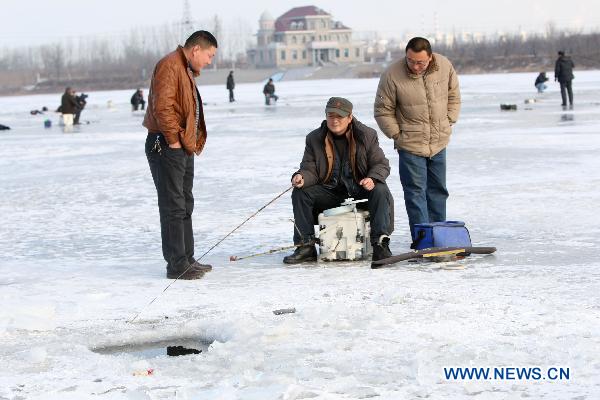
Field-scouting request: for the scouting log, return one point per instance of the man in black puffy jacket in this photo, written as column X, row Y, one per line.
column 269, row 92
column 137, row 100
column 342, row 159
column 230, row 86
column 563, row 73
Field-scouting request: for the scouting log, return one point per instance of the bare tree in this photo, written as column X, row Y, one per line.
column 54, row 59
column 551, row 31
column 217, row 31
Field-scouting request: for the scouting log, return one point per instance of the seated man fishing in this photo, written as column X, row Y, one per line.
column 342, row 159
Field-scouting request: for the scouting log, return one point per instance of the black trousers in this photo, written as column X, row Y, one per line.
column 136, row 106
column 231, row 95
column 77, row 115
column 309, row 202
column 173, row 174
column 268, row 98
column 565, row 87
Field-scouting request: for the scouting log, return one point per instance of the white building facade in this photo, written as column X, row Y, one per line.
column 304, row 36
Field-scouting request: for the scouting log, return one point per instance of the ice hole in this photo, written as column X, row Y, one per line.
column 162, row 348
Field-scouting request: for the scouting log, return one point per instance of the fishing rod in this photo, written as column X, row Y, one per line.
column 236, row 258
column 263, row 253
column 209, row 250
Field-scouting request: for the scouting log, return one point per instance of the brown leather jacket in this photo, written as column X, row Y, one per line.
column 172, row 104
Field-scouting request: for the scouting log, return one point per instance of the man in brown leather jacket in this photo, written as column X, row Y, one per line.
column 176, row 131
column 342, row 159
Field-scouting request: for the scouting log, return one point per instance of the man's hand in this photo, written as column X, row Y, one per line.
column 176, row 145
column 367, row 183
column 297, row 181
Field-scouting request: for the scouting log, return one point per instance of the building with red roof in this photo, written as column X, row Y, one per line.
column 304, row 36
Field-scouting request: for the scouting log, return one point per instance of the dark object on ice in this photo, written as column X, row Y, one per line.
column 284, row 311
column 172, row 348
column 508, row 107
column 302, row 254
column 4, row 127
column 174, row 351
column 47, row 123
column 567, row 117
column 81, row 102
column 434, row 253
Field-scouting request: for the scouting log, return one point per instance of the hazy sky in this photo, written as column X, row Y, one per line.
column 28, row 22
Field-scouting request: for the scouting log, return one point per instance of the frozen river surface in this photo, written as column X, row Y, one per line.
column 81, row 255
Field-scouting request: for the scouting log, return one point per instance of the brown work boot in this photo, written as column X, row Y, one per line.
column 188, row 273
column 201, row 267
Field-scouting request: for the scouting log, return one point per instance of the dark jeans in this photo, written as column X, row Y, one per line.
column 138, row 106
column 77, row 115
column 268, row 98
column 424, row 184
column 309, row 202
column 173, row 174
column 565, row 87
column 231, row 95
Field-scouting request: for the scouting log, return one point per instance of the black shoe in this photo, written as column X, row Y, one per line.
column 188, row 273
column 201, row 267
column 302, row 254
column 381, row 250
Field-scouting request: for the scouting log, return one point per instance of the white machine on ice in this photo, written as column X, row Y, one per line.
column 344, row 233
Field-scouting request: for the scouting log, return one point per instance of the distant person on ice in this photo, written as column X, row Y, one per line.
column 81, row 102
column 342, row 159
column 563, row 73
column 417, row 102
column 176, row 131
column 230, row 86
column 36, row 112
column 269, row 92
column 540, row 82
column 68, row 107
column 137, row 100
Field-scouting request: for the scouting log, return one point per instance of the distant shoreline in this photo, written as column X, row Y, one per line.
column 217, row 77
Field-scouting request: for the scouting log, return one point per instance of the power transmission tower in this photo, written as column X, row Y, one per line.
column 187, row 22
column 217, row 32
